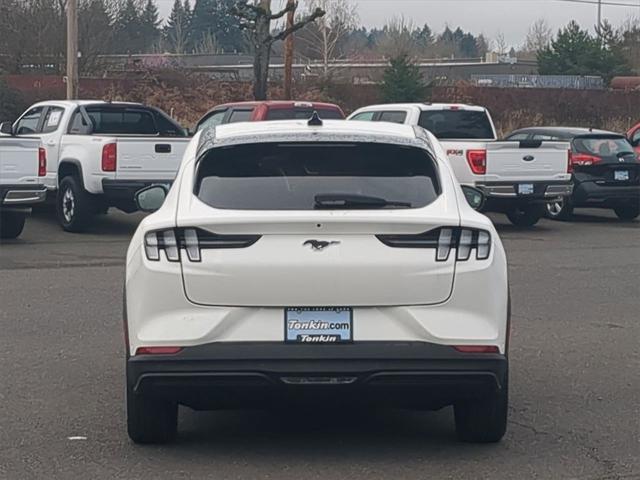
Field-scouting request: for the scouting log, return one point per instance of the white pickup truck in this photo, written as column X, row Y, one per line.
column 99, row 154
column 23, row 164
column 518, row 178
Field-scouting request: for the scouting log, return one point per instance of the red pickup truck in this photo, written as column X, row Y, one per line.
column 268, row 110
column 634, row 137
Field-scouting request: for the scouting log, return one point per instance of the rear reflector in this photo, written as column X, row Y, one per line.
column 477, row 160
column 158, row 350
column 109, row 157
column 477, row 348
column 42, row 162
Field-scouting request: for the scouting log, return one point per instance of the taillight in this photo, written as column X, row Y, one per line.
column 158, row 350
column 569, row 162
column 192, row 241
column 443, row 240
column 42, row 162
column 109, row 157
column 477, row 160
column 584, row 159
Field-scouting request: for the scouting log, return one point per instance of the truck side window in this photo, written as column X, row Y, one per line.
column 240, row 116
column 29, row 122
column 635, row 140
column 167, row 127
column 212, row 120
column 79, row 126
column 365, row 116
column 52, row 119
column 393, row 117
column 517, row 137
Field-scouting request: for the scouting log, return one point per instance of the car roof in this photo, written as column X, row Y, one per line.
column 425, row 106
column 564, row 132
column 75, row 103
column 276, row 104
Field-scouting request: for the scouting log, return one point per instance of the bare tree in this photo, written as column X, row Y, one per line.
column 255, row 19
column 539, row 36
column 398, row 40
column 323, row 38
column 500, row 44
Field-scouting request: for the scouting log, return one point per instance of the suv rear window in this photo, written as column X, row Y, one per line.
column 457, row 124
column 604, row 147
column 303, row 113
column 302, row 176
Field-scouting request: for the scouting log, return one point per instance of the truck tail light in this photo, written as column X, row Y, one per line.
column 584, row 159
column 109, row 157
column 443, row 240
column 477, row 160
column 42, row 162
column 192, row 241
column 569, row 162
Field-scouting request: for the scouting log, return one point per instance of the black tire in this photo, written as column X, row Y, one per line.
column 526, row 216
column 562, row 210
column 11, row 224
column 74, row 205
column 151, row 420
column 627, row 213
column 483, row 420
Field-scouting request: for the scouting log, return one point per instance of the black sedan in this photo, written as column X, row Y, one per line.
column 606, row 170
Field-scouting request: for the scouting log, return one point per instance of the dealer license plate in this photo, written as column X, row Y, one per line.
column 525, row 188
column 621, row 175
column 318, row 324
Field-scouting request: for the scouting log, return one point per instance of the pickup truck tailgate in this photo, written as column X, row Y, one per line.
column 149, row 158
column 535, row 161
column 18, row 160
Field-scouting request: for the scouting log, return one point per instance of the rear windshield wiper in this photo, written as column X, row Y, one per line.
column 350, row 200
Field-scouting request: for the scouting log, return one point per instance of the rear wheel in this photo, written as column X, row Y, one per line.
column 627, row 213
column 525, row 216
column 151, row 420
column 560, row 209
column 11, row 224
column 483, row 420
column 74, row 205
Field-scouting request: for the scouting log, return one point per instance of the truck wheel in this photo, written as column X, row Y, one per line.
column 74, row 205
column 628, row 213
column 560, row 209
column 11, row 224
column 483, row 420
column 526, row 216
column 151, row 420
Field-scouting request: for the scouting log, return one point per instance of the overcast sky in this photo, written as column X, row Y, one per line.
column 490, row 17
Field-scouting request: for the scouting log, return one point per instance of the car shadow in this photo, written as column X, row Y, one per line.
column 114, row 223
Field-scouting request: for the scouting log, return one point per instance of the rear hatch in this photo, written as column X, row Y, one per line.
column 311, row 213
column 535, row 161
column 605, row 159
column 18, row 160
column 153, row 158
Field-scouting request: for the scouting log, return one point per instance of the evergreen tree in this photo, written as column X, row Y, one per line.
column 176, row 31
column 149, row 26
column 402, row 82
column 213, row 19
column 95, row 33
column 128, row 29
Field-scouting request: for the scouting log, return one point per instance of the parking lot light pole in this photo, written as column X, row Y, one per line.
column 72, row 49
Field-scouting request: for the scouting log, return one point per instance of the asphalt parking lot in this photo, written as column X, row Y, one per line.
column 575, row 357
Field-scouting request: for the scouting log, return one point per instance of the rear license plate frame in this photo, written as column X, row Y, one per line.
column 621, row 175
column 526, row 189
column 333, row 325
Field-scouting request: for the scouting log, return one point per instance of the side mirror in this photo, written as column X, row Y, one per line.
column 475, row 197
column 151, row 198
column 6, row 128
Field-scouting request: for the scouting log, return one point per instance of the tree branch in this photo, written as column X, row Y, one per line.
column 318, row 12
column 289, row 8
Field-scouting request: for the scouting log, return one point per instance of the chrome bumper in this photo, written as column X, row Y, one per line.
column 541, row 191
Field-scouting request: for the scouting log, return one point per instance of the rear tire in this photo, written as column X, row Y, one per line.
column 11, row 224
column 627, row 213
column 526, row 216
column 74, row 205
column 151, row 420
column 560, row 210
column 483, row 420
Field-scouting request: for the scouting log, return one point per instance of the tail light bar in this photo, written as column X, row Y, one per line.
column 443, row 240
column 42, row 162
column 569, row 161
column 109, row 157
column 191, row 241
column 477, row 160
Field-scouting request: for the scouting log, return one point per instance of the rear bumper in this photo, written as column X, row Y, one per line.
column 227, row 375
column 541, row 190
column 605, row 195
column 121, row 193
column 22, row 195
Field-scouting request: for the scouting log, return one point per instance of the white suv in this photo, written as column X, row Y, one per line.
column 315, row 261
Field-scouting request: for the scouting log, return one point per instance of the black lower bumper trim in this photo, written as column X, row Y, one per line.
column 227, row 375
column 587, row 194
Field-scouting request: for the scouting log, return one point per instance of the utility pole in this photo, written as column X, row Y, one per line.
column 599, row 14
column 288, row 53
column 72, row 49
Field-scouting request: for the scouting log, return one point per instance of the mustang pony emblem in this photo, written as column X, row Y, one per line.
column 318, row 245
